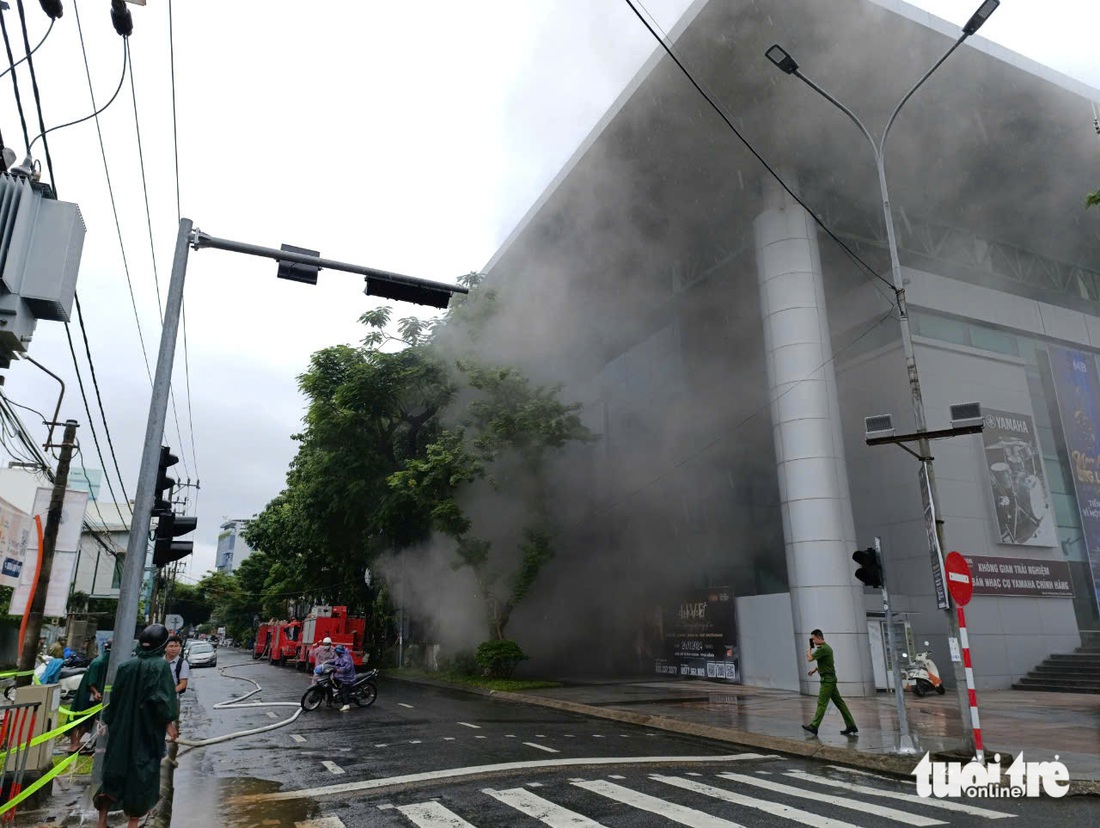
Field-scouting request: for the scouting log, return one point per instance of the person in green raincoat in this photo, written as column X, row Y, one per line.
column 89, row 694
column 142, row 708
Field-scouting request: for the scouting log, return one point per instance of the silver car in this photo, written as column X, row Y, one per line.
column 202, row 654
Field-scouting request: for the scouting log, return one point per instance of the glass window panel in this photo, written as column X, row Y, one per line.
column 989, row 339
column 947, row 330
column 1065, row 507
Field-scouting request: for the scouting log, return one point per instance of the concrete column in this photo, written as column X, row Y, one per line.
column 818, row 527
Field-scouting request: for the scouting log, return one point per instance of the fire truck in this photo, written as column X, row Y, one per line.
column 334, row 623
column 263, row 639
column 286, row 638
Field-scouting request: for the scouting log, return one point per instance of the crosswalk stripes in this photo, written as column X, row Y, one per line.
column 655, row 805
column 691, row 808
column 542, row 809
column 945, row 804
column 838, row 801
column 433, row 815
column 773, row 808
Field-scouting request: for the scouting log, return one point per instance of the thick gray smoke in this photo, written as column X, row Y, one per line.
column 635, row 285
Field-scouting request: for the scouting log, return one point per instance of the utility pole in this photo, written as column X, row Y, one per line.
column 49, row 543
column 905, row 741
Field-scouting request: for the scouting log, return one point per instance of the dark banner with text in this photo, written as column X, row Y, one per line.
column 1077, row 388
column 1019, row 576
column 701, row 637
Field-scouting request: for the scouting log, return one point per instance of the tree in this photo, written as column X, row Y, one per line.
column 401, row 435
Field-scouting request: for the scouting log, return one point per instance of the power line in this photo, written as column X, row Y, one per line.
column 79, row 314
column 153, row 252
column 663, row 40
column 12, row 66
column 15, row 82
column 110, row 187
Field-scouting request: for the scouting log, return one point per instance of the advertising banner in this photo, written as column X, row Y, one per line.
column 934, row 551
column 16, row 533
column 65, row 553
column 1019, row 576
column 1021, row 497
column 1077, row 388
column 701, row 637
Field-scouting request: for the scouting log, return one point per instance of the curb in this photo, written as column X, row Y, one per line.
column 892, row 765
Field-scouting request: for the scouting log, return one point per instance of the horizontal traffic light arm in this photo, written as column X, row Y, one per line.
column 403, row 287
column 917, row 436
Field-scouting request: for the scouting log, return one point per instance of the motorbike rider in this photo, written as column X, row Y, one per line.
column 322, row 654
column 344, row 674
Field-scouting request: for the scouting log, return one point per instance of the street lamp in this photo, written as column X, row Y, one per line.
column 787, row 64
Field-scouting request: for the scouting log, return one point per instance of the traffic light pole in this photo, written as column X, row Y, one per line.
column 905, row 741
column 137, row 546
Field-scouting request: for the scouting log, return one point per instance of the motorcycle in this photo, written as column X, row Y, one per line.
column 363, row 690
column 923, row 674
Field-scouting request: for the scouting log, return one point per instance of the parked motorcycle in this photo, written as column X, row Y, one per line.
column 923, row 675
column 363, row 690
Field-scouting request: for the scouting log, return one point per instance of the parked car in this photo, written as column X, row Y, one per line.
column 202, row 654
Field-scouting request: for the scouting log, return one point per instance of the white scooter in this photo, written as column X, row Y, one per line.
column 922, row 674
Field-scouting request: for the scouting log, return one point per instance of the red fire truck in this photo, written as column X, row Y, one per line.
column 334, row 623
column 285, row 641
column 263, row 639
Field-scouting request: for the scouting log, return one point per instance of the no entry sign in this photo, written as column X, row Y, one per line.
column 959, row 582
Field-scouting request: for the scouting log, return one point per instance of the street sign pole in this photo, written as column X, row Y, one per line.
column 905, row 741
column 961, row 586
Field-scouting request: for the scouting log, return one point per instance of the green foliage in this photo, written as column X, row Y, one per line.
column 499, row 657
column 1092, row 199
column 397, row 432
column 464, row 663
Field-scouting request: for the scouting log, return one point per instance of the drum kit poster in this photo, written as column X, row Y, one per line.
column 1021, row 497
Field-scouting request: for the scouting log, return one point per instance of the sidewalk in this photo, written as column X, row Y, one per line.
column 1041, row 725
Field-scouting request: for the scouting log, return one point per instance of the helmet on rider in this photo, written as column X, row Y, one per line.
column 326, row 640
column 340, row 648
column 153, row 637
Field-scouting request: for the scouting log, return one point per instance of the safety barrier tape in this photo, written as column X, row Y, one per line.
column 45, row 779
column 53, row 734
column 10, row 673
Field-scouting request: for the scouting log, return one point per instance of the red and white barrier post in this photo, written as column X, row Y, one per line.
column 964, row 642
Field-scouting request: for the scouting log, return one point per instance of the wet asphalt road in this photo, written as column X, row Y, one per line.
column 419, row 757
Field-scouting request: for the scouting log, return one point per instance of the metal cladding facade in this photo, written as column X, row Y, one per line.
column 659, row 278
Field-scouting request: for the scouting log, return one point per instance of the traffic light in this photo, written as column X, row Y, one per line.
column 870, row 569
column 164, row 484
column 165, row 548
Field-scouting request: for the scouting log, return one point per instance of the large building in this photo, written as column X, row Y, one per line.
column 232, row 547
column 728, row 340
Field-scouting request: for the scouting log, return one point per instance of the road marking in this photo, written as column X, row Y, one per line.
column 402, row 704
column 616, row 776
column 481, row 737
column 693, row 773
column 297, row 738
column 433, row 815
column 838, row 801
column 904, row 797
column 383, row 745
column 448, row 738
column 534, row 784
column 540, row 735
column 624, row 735
column 472, row 770
column 645, row 802
column 415, row 741
column 541, row 747
column 467, row 724
column 569, row 736
column 332, row 767
column 872, row 775
column 597, row 736
column 541, row 809
column 321, row 822
column 272, row 714
column 509, row 735
column 773, row 808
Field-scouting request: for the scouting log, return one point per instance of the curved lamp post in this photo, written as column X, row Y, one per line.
column 787, row 64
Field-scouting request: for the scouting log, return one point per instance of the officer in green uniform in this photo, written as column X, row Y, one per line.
column 822, row 653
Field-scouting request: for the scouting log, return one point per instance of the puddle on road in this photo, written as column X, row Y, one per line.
column 205, row 803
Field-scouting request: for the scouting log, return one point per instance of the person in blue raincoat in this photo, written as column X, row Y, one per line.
column 344, row 667
column 142, row 708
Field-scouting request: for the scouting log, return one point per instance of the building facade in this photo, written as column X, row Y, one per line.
column 232, row 547
column 727, row 341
